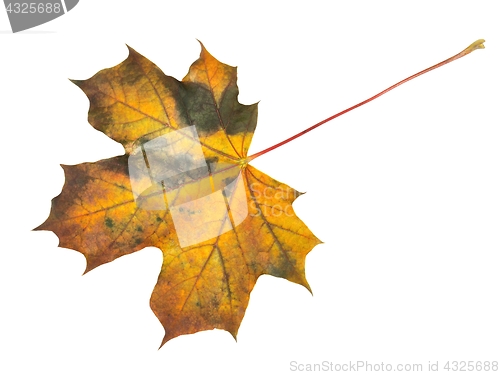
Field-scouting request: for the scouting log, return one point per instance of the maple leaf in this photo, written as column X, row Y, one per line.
column 185, row 187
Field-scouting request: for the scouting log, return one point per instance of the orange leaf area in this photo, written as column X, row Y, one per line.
column 185, row 187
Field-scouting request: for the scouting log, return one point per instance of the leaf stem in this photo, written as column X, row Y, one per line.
column 478, row 44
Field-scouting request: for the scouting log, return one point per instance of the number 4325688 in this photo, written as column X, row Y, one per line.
column 33, row 8
column 471, row 366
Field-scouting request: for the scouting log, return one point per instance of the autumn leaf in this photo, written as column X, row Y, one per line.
column 185, row 186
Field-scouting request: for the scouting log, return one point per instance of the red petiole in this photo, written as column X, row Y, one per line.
column 478, row 44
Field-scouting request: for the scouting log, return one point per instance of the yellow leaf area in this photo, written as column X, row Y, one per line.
column 185, row 187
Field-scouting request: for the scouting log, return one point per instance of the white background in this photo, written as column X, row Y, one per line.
column 404, row 192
